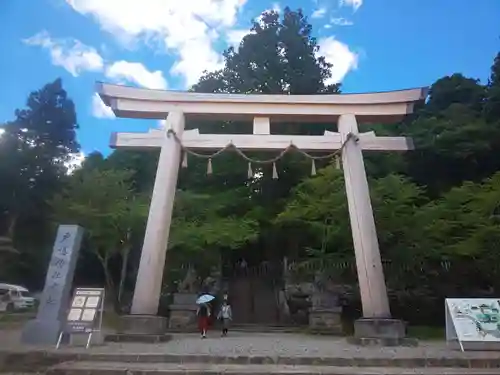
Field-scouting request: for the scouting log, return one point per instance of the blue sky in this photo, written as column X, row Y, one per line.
column 375, row 45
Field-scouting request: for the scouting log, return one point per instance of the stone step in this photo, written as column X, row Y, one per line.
column 117, row 368
column 252, row 328
column 41, row 360
column 267, row 328
column 134, row 337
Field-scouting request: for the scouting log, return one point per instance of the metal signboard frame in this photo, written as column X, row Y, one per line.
column 85, row 314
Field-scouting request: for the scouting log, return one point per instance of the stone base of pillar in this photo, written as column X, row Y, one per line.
column 326, row 321
column 381, row 331
column 143, row 325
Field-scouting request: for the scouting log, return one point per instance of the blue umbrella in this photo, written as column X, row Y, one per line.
column 204, row 299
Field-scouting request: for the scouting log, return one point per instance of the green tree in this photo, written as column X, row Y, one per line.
column 35, row 146
column 454, row 142
column 455, row 89
column 492, row 106
column 279, row 55
column 459, row 234
column 33, row 150
column 319, row 207
column 202, row 221
column 465, row 221
column 104, row 204
column 204, row 227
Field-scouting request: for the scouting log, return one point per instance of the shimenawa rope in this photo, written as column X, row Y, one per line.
column 231, row 146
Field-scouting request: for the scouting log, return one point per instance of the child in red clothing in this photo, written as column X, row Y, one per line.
column 203, row 314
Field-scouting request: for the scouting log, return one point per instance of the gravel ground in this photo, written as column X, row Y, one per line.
column 258, row 344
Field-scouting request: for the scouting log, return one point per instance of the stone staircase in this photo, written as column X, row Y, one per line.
column 115, row 368
column 246, row 354
column 88, row 363
column 248, row 328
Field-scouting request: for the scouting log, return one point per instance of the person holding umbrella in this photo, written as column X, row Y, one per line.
column 203, row 313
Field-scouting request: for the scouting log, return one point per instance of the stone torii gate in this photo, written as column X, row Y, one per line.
column 347, row 110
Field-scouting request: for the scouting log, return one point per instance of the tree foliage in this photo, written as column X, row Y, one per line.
column 33, row 150
column 319, row 206
column 103, row 202
column 277, row 56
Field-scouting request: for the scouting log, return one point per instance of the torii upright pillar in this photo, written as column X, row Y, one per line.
column 150, row 274
column 376, row 322
column 364, row 234
column 144, row 319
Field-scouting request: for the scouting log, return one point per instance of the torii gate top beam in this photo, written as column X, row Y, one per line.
column 383, row 107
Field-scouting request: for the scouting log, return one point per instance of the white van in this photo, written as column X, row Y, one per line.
column 15, row 297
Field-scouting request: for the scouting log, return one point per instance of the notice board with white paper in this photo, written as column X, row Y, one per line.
column 85, row 313
column 472, row 320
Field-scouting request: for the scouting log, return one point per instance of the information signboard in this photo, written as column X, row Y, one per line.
column 472, row 320
column 85, row 313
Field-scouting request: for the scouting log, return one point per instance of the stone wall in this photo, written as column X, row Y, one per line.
column 183, row 311
column 327, row 321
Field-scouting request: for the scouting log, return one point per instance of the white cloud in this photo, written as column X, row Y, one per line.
column 70, row 54
column 194, row 58
column 77, row 57
column 75, row 162
column 319, row 13
column 122, row 71
column 341, row 21
column 355, row 4
column 184, row 27
column 339, row 54
column 234, row 37
column 99, row 109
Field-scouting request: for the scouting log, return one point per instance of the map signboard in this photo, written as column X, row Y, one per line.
column 473, row 320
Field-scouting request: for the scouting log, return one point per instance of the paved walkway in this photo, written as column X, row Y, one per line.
column 258, row 344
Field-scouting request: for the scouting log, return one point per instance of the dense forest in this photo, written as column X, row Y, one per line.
column 437, row 209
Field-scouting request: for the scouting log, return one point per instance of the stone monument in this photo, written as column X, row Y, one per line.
column 183, row 308
column 325, row 312
column 54, row 303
